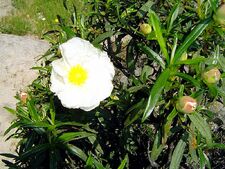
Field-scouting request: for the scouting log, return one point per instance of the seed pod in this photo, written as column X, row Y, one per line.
column 145, row 28
column 186, row 104
column 212, row 76
column 219, row 16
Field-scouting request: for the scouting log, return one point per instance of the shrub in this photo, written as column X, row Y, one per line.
column 138, row 126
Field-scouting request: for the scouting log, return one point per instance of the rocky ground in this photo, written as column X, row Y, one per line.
column 17, row 54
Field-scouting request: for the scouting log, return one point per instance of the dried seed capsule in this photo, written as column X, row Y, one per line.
column 219, row 16
column 186, row 104
column 145, row 28
column 212, row 76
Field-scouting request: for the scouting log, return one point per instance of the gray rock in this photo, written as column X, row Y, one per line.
column 17, row 54
column 5, row 7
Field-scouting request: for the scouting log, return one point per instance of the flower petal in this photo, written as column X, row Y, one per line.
column 77, row 49
column 60, row 67
column 57, row 82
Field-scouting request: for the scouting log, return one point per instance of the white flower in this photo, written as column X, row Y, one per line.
column 82, row 78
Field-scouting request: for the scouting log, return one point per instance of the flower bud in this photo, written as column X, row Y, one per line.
column 219, row 16
column 186, row 104
column 212, row 76
column 145, row 28
column 23, row 97
column 184, row 56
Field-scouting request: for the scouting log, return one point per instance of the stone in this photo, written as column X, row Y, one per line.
column 18, row 55
column 5, row 7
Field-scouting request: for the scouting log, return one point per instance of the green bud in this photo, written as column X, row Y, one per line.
column 212, row 76
column 186, row 104
column 219, row 16
column 184, row 56
column 145, row 28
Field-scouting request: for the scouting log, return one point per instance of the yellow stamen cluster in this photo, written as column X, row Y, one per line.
column 77, row 75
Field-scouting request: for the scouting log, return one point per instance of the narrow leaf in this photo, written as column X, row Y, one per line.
column 202, row 126
column 157, row 147
column 177, row 155
column 172, row 16
column 155, row 93
column 145, row 8
column 66, row 137
column 195, row 33
column 152, row 54
column 154, row 20
column 191, row 61
column 34, row 150
column 189, row 78
column 123, row 163
column 10, row 110
column 76, row 151
column 102, row 37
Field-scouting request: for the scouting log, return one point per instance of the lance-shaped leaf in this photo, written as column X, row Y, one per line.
column 152, row 54
column 177, row 155
column 155, row 93
column 195, row 33
column 154, row 20
column 202, row 126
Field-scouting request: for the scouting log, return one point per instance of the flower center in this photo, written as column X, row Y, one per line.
column 77, row 75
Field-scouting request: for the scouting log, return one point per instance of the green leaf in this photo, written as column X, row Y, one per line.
column 157, row 147
column 8, row 155
column 177, row 155
column 173, row 16
column 145, row 8
column 152, row 54
column 168, row 123
column 195, row 33
column 10, row 110
column 201, row 125
column 66, row 137
column 213, row 3
column 91, row 161
column 60, row 124
column 102, row 37
column 216, row 145
column 191, row 61
column 123, row 163
column 32, row 110
column 154, row 20
column 76, row 151
column 12, row 126
column 189, row 78
column 34, row 150
column 69, row 32
column 204, row 160
column 155, row 93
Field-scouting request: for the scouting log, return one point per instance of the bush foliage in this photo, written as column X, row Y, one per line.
column 139, row 125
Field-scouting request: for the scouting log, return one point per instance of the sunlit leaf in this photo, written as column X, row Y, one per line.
column 177, row 155
column 195, row 33
column 155, row 93
column 154, row 20
column 201, row 125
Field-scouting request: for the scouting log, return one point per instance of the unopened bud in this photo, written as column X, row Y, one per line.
column 145, row 28
column 23, row 97
column 184, row 56
column 186, row 104
column 212, row 76
column 219, row 16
